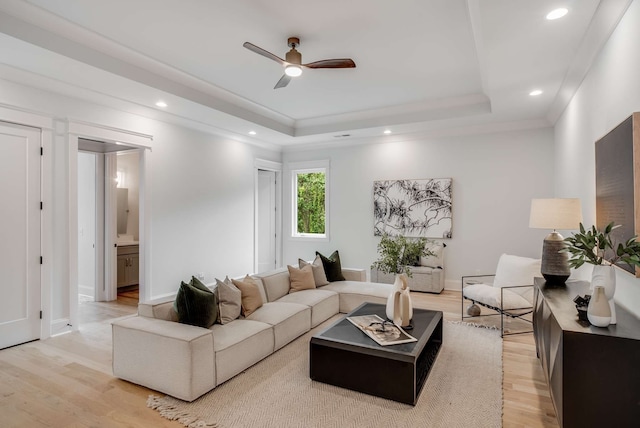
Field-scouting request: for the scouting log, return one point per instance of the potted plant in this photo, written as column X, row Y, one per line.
column 590, row 246
column 397, row 254
column 598, row 247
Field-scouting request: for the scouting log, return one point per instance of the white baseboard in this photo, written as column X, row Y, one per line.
column 452, row 285
column 86, row 290
column 60, row 326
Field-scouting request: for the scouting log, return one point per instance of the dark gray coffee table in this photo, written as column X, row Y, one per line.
column 344, row 356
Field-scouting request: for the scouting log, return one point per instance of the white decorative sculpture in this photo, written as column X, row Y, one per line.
column 605, row 276
column 399, row 306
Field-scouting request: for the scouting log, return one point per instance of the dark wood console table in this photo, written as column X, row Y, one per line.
column 593, row 373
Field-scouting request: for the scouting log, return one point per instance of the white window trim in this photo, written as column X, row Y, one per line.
column 306, row 167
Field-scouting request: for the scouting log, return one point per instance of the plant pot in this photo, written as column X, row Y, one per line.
column 605, row 276
column 598, row 312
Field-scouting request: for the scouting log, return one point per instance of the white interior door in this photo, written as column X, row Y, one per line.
column 266, row 235
column 20, row 232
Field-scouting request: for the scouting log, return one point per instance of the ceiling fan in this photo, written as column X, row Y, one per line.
column 293, row 61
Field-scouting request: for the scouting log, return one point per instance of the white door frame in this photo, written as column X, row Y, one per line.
column 99, row 293
column 277, row 168
column 77, row 130
column 99, row 272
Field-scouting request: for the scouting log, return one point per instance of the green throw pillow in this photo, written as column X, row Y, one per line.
column 332, row 267
column 195, row 282
column 196, row 304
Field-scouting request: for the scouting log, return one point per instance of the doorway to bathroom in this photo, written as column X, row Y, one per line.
column 108, row 222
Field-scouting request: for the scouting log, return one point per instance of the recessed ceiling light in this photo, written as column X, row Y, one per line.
column 161, row 104
column 252, row 132
column 535, row 93
column 557, row 13
column 387, row 131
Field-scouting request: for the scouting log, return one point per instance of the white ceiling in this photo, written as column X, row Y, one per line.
column 424, row 67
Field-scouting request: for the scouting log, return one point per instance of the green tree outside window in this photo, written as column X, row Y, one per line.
column 311, row 202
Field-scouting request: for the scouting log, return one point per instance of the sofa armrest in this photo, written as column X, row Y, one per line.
column 351, row 274
column 166, row 356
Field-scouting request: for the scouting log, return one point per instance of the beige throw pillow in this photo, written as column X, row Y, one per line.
column 319, row 276
column 229, row 301
column 301, row 279
column 436, row 260
column 251, row 299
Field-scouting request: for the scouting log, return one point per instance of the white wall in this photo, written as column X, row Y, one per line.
column 202, row 192
column 202, row 218
column 494, row 179
column 86, row 224
column 608, row 95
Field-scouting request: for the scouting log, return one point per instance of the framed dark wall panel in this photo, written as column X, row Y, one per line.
column 617, row 181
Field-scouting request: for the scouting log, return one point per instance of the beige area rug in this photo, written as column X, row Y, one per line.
column 464, row 389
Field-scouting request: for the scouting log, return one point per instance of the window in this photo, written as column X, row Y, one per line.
column 310, row 200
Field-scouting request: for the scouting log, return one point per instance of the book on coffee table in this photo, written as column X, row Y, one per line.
column 382, row 331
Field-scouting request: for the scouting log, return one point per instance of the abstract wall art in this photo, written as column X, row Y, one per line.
column 413, row 208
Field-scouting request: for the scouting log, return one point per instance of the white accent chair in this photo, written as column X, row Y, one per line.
column 509, row 292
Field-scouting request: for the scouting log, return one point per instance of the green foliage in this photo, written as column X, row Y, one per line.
column 311, row 194
column 590, row 246
column 398, row 253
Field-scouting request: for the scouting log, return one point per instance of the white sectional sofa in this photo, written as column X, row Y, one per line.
column 154, row 350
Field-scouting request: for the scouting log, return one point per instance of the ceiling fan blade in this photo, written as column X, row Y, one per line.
column 332, row 63
column 264, row 53
column 284, row 81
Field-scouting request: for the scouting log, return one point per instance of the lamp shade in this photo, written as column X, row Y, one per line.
column 556, row 213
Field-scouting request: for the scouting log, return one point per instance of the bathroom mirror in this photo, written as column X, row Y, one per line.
column 123, row 210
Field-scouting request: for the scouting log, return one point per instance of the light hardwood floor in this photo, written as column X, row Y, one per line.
column 66, row 381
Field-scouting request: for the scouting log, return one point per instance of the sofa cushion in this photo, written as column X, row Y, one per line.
column 301, row 279
column 319, row 277
column 238, row 345
column 196, row 305
column 332, row 266
column 229, row 301
column 276, row 283
column 354, row 293
column 436, row 260
column 289, row 320
column 250, row 295
column 323, row 303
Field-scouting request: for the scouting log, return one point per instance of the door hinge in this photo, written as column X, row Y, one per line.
column 40, row 314
column 41, row 151
column 40, row 204
column 40, row 259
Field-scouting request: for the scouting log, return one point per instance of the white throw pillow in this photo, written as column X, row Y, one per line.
column 516, row 270
column 437, row 259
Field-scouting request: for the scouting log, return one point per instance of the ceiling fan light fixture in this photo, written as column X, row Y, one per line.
column 293, row 70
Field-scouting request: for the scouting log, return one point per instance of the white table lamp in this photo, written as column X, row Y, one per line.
column 563, row 214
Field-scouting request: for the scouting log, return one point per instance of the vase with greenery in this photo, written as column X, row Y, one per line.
column 599, row 248
column 397, row 254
